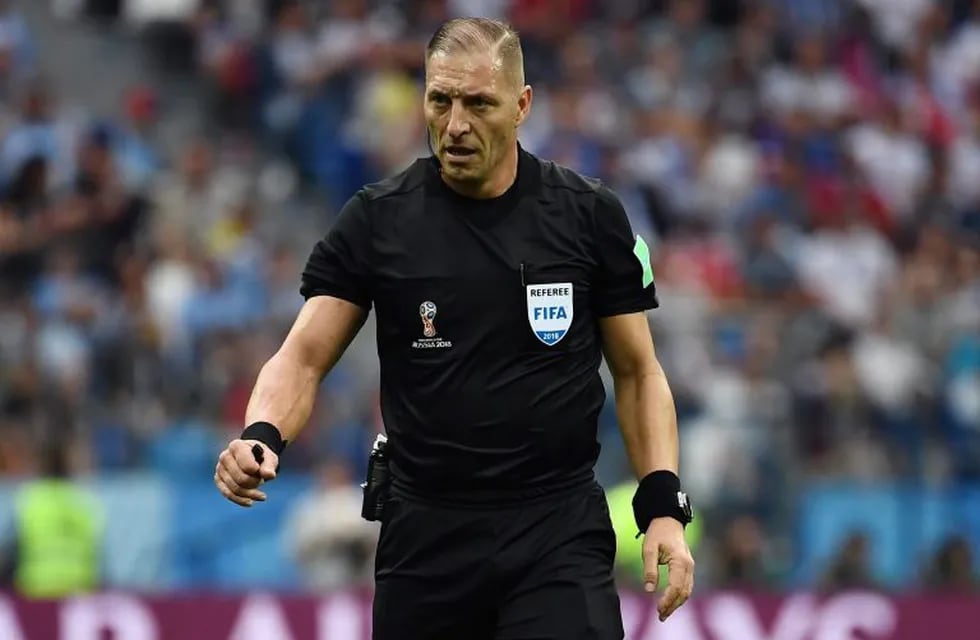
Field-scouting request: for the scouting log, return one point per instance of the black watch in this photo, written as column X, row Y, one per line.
column 659, row 495
column 684, row 513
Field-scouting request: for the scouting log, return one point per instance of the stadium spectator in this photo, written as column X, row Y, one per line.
column 745, row 560
column 325, row 534
column 56, row 546
column 850, row 568
column 952, row 567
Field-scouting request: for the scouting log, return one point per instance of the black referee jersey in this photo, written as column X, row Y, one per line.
column 487, row 329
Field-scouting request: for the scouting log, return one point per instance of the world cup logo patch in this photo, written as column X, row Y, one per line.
column 428, row 312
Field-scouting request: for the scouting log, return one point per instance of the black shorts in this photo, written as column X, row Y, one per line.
column 541, row 571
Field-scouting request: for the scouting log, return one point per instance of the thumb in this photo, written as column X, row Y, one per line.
column 270, row 463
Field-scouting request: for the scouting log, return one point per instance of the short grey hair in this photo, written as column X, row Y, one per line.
column 471, row 35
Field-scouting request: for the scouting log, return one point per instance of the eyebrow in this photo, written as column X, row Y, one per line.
column 436, row 92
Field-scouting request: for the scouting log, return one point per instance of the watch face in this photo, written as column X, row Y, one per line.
column 684, row 504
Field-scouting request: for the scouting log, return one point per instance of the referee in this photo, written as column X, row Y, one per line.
column 498, row 280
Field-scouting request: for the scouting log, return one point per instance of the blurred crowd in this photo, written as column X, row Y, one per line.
column 807, row 173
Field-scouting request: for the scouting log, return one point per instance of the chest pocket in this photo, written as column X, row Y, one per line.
column 556, row 306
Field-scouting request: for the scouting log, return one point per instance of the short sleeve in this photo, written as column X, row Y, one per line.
column 625, row 282
column 339, row 263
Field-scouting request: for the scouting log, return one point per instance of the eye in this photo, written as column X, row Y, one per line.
column 439, row 99
column 479, row 103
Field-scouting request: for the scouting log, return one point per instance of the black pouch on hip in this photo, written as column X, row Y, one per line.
column 378, row 481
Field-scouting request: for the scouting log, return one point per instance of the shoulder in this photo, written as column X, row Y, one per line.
column 558, row 177
column 405, row 182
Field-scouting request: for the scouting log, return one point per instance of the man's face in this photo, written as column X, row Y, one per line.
column 473, row 108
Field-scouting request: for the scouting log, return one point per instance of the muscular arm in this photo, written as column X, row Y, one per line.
column 285, row 391
column 645, row 407
column 644, row 403
column 287, row 385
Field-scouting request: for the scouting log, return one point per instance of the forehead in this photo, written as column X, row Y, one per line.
column 464, row 73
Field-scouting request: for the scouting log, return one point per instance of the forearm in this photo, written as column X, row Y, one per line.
column 287, row 385
column 284, row 394
column 648, row 421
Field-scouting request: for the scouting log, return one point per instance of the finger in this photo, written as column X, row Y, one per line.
column 680, row 573
column 651, row 567
column 675, row 583
column 237, row 489
column 689, row 591
column 668, row 603
column 226, row 492
column 241, row 451
column 240, row 477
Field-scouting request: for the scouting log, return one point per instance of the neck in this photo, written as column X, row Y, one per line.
column 496, row 184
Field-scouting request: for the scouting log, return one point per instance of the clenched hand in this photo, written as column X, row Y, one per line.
column 237, row 474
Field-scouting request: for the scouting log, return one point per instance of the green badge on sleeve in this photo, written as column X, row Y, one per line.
column 642, row 253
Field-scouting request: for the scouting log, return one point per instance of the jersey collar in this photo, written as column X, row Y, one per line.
column 528, row 174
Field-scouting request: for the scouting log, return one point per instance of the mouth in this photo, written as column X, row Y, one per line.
column 459, row 152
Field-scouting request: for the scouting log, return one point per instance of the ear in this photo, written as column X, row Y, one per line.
column 523, row 105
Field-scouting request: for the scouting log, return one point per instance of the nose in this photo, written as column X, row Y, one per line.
column 458, row 123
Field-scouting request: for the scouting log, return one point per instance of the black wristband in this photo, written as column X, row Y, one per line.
column 659, row 495
column 267, row 434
